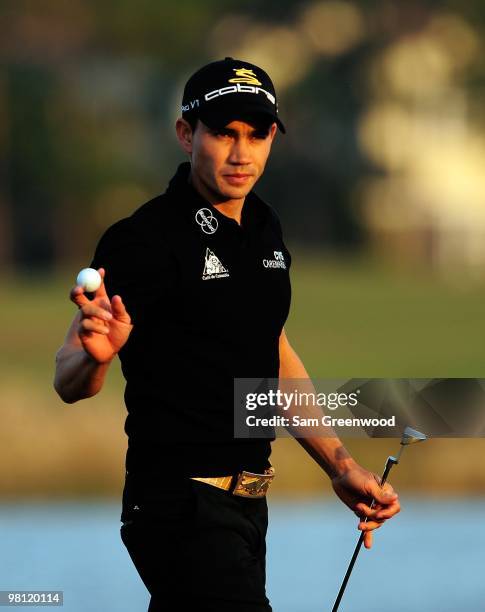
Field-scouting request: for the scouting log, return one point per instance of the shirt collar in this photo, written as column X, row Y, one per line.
column 253, row 212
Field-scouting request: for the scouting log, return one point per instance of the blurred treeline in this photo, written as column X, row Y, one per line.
column 383, row 162
column 382, row 100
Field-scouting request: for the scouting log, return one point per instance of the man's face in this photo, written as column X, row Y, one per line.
column 227, row 162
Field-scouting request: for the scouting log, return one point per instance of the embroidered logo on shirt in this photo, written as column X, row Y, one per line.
column 213, row 267
column 208, row 223
column 277, row 262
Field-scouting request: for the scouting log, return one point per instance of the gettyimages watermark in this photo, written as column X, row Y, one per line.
column 376, row 408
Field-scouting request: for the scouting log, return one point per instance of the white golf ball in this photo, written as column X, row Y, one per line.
column 89, row 279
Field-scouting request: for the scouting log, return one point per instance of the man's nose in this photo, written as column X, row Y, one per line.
column 240, row 152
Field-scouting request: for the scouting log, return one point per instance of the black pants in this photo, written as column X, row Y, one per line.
column 197, row 547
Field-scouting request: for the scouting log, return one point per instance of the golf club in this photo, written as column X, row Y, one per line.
column 410, row 436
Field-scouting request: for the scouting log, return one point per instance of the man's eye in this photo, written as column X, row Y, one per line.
column 221, row 133
column 260, row 135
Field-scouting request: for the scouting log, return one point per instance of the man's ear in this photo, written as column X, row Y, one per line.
column 272, row 131
column 184, row 134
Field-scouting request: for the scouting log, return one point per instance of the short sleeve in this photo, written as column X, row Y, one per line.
column 134, row 270
column 276, row 225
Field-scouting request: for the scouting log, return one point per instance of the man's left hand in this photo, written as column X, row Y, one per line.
column 356, row 487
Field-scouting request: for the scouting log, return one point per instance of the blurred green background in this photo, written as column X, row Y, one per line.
column 379, row 184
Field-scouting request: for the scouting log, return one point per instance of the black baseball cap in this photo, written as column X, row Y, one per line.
column 227, row 90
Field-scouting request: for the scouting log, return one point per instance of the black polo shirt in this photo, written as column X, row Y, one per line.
column 208, row 298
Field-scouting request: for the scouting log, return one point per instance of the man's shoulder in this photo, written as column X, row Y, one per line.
column 268, row 211
column 115, row 233
column 162, row 218
column 149, row 211
column 138, row 226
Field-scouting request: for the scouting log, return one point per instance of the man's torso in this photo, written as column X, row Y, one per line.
column 208, row 298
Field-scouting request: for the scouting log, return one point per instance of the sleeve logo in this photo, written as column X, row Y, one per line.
column 277, row 262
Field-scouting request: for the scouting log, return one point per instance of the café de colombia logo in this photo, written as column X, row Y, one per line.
column 206, row 220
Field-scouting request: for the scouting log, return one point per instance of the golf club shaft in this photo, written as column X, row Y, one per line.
column 389, row 463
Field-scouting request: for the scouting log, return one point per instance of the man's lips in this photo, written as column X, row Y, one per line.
column 237, row 178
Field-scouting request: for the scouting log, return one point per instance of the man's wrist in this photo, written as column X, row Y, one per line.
column 335, row 458
column 342, row 466
column 93, row 362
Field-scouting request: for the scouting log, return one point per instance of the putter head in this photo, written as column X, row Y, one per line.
column 411, row 436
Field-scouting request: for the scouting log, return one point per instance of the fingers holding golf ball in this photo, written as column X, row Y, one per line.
column 77, row 294
column 89, row 279
column 104, row 324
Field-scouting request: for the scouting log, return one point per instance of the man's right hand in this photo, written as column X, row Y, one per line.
column 104, row 325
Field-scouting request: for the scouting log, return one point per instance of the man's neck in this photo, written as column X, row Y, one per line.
column 229, row 208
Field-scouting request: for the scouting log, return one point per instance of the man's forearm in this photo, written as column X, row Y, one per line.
column 322, row 443
column 77, row 375
column 330, row 454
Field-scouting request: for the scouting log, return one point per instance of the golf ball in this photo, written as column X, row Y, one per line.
column 89, row 279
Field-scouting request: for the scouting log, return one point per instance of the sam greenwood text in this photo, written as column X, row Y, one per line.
column 325, row 420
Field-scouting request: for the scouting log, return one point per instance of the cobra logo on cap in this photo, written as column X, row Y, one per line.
column 245, row 75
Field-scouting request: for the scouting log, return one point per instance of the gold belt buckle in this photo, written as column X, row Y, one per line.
column 253, row 485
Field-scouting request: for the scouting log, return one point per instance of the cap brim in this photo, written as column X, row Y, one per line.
column 221, row 117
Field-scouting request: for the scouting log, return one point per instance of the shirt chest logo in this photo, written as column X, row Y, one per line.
column 213, row 267
column 277, row 262
column 208, row 223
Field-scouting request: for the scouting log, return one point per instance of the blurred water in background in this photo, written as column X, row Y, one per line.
column 429, row 558
column 380, row 177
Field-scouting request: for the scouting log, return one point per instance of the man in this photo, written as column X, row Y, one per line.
column 190, row 302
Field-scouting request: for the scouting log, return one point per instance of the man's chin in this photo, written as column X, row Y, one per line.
column 236, row 194
column 232, row 192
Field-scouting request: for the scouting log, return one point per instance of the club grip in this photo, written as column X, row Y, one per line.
column 389, row 463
